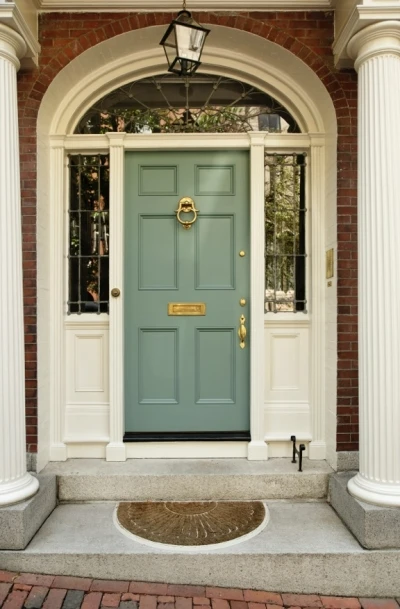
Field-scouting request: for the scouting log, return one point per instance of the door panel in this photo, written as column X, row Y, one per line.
column 186, row 373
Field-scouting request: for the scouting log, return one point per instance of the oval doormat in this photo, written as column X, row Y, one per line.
column 192, row 524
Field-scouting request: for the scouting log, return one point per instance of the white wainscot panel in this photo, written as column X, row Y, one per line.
column 287, row 384
column 87, row 381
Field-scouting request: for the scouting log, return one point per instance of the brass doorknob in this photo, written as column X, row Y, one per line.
column 115, row 292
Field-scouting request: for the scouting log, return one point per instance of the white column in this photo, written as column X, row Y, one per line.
column 115, row 450
column 15, row 483
column 376, row 50
column 257, row 449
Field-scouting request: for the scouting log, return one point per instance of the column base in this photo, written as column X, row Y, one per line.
column 257, row 451
column 116, row 451
column 18, row 490
column 376, row 493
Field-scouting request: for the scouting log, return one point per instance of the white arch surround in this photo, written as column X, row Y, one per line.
column 134, row 55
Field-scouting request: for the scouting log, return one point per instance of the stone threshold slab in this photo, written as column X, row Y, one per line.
column 304, row 549
column 189, row 479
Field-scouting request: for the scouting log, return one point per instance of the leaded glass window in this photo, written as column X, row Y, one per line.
column 88, row 234
column 285, row 233
column 203, row 103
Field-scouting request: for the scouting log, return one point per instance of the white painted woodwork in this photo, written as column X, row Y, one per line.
column 22, row 16
column 286, row 382
column 87, row 409
column 376, row 50
column 317, row 189
column 116, row 449
column 15, row 483
column 352, row 16
column 56, row 297
column 258, row 449
column 176, row 5
column 88, row 77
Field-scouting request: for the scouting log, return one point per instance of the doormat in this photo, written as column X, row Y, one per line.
column 191, row 524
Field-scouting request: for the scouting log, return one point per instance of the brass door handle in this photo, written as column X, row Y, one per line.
column 242, row 332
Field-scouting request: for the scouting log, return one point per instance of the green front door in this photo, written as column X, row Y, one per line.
column 185, row 370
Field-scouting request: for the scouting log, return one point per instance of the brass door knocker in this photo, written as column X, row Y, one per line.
column 186, row 205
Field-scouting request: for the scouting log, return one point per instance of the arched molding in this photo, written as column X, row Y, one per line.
column 133, row 55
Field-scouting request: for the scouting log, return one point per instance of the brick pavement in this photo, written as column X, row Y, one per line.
column 32, row 591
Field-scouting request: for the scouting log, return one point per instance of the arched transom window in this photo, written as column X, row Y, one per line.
column 202, row 104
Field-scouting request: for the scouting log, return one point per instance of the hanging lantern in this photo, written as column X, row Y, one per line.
column 183, row 43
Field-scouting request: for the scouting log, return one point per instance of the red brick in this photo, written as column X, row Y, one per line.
column 110, row 600
column 7, row 576
column 340, row 602
column 378, row 603
column 180, row 590
column 229, row 594
column 36, row 597
column 92, row 600
column 31, row 579
column 72, row 583
column 22, row 587
column 4, row 590
column 258, row 606
column 104, row 585
column 257, row 596
column 54, row 599
column 166, row 599
column 15, row 600
column 149, row 602
column 146, row 588
column 219, row 603
column 128, row 596
column 183, row 603
column 165, row 605
column 201, row 600
column 302, row 600
column 238, row 605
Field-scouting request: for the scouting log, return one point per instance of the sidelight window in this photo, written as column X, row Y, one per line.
column 285, row 233
column 88, row 234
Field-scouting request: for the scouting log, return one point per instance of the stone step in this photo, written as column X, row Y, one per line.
column 189, row 479
column 305, row 548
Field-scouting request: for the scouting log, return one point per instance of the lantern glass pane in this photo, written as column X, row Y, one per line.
column 189, row 42
column 170, row 41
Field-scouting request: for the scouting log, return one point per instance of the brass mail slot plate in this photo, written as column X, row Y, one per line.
column 186, row 308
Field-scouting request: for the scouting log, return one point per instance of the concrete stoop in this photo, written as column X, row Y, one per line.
column 305, row 548
column 189, row 479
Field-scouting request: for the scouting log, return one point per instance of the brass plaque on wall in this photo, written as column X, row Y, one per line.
column 186, row 308
column 329, row 263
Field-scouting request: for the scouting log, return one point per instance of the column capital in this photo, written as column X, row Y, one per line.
column 12, row 45
column 381, row 38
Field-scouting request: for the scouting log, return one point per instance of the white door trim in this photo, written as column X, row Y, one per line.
column 117, row 144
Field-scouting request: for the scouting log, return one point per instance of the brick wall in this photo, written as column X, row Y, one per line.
column 309, row 35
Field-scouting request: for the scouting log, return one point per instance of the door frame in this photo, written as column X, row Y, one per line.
column 116, row 144
column 119, row 143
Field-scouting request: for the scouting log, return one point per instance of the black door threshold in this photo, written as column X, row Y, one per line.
column 183, row 436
